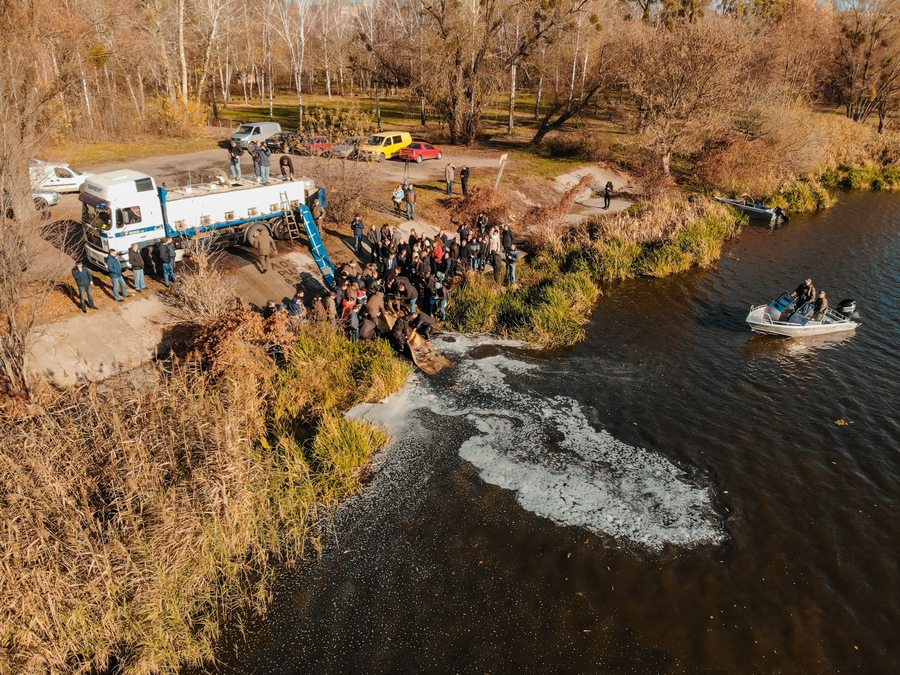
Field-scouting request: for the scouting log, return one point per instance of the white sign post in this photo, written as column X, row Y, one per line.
column 503, row 159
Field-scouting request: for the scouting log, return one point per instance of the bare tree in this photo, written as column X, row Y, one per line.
column 867, row 65
column 685, row 81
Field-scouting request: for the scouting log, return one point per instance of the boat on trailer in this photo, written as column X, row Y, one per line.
column 781, row 317
column 752, row 209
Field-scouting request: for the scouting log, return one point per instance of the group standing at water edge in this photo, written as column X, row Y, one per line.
column 403, row 286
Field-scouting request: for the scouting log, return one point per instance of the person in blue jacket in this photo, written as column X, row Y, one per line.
column 115, row 274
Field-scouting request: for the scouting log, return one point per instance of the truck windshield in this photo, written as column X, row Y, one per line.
column 96, row 217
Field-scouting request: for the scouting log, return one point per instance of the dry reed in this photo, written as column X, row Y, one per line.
column 136, row 517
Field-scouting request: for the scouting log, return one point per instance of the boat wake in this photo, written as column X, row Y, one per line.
column 545, row 450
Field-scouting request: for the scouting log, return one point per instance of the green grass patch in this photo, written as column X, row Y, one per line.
column 89, row 154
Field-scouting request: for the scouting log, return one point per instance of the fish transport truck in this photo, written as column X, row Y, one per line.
column 125, row 207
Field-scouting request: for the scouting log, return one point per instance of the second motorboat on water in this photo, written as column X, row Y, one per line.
column 782, row 317
column 756, row 210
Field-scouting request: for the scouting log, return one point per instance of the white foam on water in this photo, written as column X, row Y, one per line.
column 545, row 450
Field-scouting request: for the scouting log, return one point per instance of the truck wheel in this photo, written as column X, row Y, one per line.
column 279, row 228
column 253, row 231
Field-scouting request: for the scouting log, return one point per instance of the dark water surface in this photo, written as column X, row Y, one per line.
column 445, row 566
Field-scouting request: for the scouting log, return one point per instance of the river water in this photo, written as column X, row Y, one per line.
column 673, row 495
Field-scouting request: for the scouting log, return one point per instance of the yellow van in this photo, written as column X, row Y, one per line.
column 384, row 144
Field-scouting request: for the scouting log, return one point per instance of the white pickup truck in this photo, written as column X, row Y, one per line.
column 124, row 207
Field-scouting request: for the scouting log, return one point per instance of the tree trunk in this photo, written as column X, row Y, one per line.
column 667, row 162
column 181, row 54
column 537, row 102
column 512, row 98
column 328, row 83
column 422, row 119
column 378, row 104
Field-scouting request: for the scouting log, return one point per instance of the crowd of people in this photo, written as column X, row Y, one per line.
column 400, row 284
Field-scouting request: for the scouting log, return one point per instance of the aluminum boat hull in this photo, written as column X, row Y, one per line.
column 766, row 320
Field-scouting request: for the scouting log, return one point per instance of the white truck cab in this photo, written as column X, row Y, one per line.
column 118, row 209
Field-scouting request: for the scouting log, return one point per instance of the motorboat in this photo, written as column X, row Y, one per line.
column 781, row 317
column 752, row 209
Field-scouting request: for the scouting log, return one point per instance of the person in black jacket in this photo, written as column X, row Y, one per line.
column 422, row 324
column 439, row 300
column 508, row 238
column 136, row 260
column 165, row 250
column 464, row 180
column 85, row 282
column 607, row 194
column 234, row 154
column 805, row 292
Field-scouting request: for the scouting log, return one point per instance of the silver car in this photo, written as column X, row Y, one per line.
column 348, row 148
column 44, row 199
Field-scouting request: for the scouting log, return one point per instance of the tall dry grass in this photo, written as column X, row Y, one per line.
column 794, row 154
column 137, row 516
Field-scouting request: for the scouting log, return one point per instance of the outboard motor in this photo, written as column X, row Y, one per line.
column 779, row 213
column 847, row 308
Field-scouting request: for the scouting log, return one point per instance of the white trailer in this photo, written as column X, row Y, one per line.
column 124, row 207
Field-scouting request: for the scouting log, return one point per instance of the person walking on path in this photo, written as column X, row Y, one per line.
column 287, row 167
column 409, row 196
column 464, row 180
column 85, row 282
column 166, row 252
column 235, row 152
column 263, row 153
column 114, row 267
column 136, row 260
column 265, row 246
column 607, row 194
column 448, row 176
column 397, row 199
column 358, row 229
column 512, row 257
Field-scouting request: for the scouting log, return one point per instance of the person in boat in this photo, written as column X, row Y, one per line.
column 804, row 293
column 820, row 306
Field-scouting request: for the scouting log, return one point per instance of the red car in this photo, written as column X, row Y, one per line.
column 315, row 145
column 416, row 152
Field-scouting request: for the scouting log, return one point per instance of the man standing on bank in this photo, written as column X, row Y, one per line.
column 409, row 196
column 85, row 282
column 114, row 267
column 464, row 180
column 449, row 173
column 165, row 250
column 607, row 194
column 234, row 153
column 265, row 246
column 263, row 152
column 358, row 228
column 136, row 260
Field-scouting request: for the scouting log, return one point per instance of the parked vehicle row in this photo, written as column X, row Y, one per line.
column 378, row 147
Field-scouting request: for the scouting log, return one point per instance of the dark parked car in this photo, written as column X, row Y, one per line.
column 284, row 142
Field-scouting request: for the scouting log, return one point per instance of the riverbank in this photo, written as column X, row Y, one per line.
column 141, row 513
column 558, row 286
